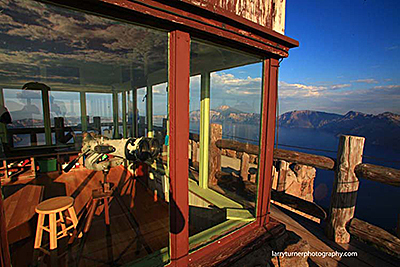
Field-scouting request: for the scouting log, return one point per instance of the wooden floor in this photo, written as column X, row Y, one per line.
column 313, row 233
column 139, row 223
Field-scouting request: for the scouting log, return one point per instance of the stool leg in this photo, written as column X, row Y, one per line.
column 39, row 231
column 106, row 213
column 73, row 217
column 63, row 226
column 90, row 216
column 53, row 231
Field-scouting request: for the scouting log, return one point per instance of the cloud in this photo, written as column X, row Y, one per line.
column 394, row 47
column 340, row 86
column 365, row 81
column 387, row 87
column 376, row 99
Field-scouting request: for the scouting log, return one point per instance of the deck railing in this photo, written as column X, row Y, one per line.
column 348, row 168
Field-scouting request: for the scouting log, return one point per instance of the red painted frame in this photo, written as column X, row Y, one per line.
column 178, row 90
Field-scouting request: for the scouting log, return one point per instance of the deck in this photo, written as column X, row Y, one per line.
column 313, row 233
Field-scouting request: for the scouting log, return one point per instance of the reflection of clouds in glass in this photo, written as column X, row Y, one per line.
column 38, row 38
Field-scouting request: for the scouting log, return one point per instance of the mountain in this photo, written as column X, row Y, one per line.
column 382, row 129
column 227, row 114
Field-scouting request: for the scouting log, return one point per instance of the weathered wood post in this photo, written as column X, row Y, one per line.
column 97, row 124
column 244, row 166
column 59, row 129
column 283, row 168
column 195, row 146
column 345, row 187
column 215, row 152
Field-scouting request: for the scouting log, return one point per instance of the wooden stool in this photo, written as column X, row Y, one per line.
column 98, row 195
column 52, row 207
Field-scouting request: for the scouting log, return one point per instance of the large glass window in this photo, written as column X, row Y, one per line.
column 26, row 110
column 225, row 108
column 84, row 72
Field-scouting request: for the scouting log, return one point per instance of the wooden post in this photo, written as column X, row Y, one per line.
column 195, row 146
column 244, row 166
column 33, row 138
column 46, row 115
column 84, row 118
column 124, row 117
column 59, row 129
column 215, row 152
column 345, row 187
column 135, row 126
column 97, row 124
column 282, row 173
column 115, row 114
column 142, row 126
column 164, row 125
column 149, row 111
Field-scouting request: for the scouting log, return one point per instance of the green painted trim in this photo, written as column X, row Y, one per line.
column 157, row 258
column 83, row 112
column 46, row 116
column 213, row 234
column 239, row 214
column 124, row 125
column 149, row 111
column 204, row 129
column 213, row 197
column 115, row 114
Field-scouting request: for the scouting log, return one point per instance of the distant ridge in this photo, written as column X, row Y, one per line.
column 382, row 129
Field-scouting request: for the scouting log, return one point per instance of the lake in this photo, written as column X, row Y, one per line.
column 377, row 203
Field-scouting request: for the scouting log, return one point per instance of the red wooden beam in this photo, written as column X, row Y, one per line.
column 179, row 73
column 270, row 89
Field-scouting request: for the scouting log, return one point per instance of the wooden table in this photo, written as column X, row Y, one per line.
column 19, row 209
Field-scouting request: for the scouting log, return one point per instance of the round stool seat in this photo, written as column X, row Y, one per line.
column 54, row 205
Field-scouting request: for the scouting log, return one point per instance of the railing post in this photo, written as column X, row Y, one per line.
column 215, row 153
column 244, row 166
column 59, row 129
column 97, row 124
column 283, row 168
column 345, row 187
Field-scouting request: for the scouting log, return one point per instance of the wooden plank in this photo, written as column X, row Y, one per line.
column 282, row 154
column 316, row 161
column 376, row 236
column 380, row 174
column 314, row 235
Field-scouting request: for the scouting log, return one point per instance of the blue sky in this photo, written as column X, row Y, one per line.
column 348, row 59
column 349, row 56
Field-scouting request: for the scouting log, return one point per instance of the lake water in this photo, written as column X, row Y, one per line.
column 377, row 203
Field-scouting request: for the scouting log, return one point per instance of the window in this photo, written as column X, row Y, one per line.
column 225, row 105
column 91, row 68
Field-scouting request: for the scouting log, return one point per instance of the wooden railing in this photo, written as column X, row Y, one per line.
column 348, row 169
